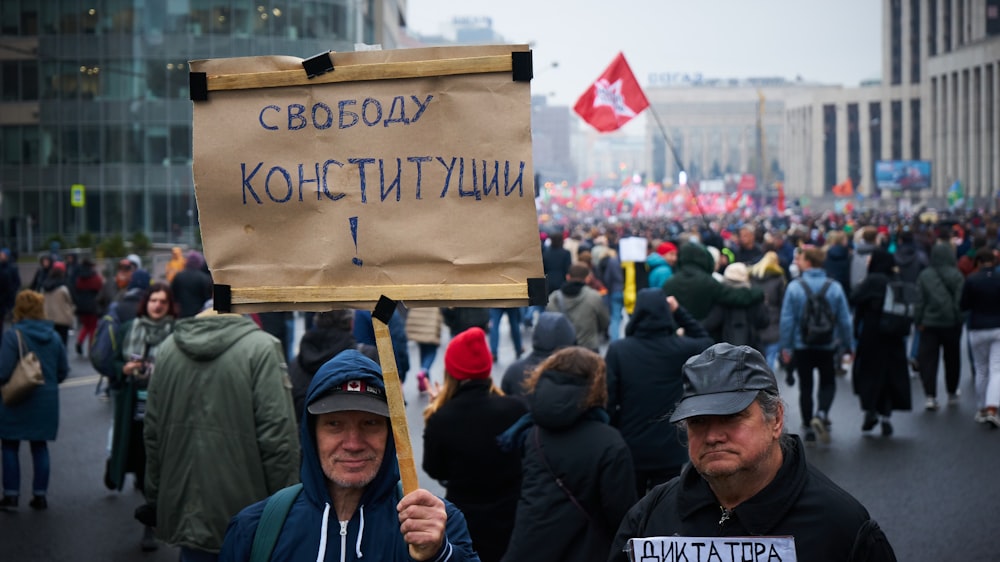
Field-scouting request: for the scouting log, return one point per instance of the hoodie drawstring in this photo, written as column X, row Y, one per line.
column 321, row 555
column 361, row 531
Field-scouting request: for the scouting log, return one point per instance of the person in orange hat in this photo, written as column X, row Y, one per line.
column 460, row 444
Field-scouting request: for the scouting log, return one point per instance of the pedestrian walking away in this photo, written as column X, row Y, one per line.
column 813, row 351
column 644, row 383
column 461, row 427
column 87, row 287
column 552, row 332
column 583, row 306
column 879, row 374
column 423, row 326
column 219, row 430
column 36, row 418
column 939, row 319
column 980, row 299
column 577, row 475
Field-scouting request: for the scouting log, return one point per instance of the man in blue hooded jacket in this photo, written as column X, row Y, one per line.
column 349, row 507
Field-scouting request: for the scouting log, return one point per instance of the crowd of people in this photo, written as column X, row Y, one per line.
column 645, row 402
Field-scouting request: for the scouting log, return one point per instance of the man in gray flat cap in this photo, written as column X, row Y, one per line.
column 747, row 478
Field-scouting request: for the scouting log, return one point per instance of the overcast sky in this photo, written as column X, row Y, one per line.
column 829, row 41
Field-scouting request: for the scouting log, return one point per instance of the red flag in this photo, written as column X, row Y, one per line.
column 614, row 99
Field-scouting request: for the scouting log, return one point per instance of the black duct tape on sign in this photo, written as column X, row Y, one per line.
column 538, row 294
column 384, row 309
column 521, row 66
column 198, row 86
column 222, row 298
column 319, row 64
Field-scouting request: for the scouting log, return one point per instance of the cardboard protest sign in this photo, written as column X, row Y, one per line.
column 715, row 549
column 403, row 173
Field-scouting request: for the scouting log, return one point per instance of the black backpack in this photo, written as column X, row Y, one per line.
column 898, row 307
column 818, row 322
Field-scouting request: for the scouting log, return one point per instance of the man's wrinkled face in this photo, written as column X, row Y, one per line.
column 725, row 446
column 351, row 445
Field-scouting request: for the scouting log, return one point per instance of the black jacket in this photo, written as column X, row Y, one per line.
column 644, row 379
column 910, row 261
column 879, row 368
column 981, row 296
column 461, row 451
column 317, row 346
column 838, row 265
column 593, row 462
column 828, row 524
column 552, row 332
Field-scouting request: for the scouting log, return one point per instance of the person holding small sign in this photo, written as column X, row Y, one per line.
column 350, row 505
column 747, row 479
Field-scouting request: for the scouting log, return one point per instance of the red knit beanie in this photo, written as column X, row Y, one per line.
column 468, row 356
column 665, row 248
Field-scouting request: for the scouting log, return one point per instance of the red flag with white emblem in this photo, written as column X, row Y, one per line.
column 614, row 99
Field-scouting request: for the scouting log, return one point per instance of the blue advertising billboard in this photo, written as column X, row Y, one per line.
column 903, row 175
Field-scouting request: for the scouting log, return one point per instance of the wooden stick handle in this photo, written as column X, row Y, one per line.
column 397, row 408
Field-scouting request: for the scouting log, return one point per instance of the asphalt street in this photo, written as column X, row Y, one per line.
column 933, row 486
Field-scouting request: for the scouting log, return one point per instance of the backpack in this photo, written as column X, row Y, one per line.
column 818, row 322
column 104, row 345
column 271, row 520
column 898, row 307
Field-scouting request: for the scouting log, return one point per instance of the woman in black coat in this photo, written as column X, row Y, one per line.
column 460, row 444
column 880, row 373
column 577, row 475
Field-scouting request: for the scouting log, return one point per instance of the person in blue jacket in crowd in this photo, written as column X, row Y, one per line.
column 364, row 334
column 350, row 507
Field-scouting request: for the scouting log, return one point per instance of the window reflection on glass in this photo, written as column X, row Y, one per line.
column 10, row 145
column 180, row 144
column 90, row 80
column 90, row 145
column 9, row 80
column 30, row 145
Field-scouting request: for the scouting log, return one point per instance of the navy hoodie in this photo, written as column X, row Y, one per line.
column 311, row 530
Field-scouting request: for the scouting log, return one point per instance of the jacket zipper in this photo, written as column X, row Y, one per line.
column 343, row 540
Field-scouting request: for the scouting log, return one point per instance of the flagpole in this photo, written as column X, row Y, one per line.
column 677, row 158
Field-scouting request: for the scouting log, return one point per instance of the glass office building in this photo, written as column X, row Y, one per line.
column 95, row 94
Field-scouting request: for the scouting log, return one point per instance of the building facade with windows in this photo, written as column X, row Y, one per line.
column 95, row 93
column 939, row 100
column 720, row 127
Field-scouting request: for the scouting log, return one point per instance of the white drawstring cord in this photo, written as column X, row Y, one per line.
column 321, row 555
column 361, row 531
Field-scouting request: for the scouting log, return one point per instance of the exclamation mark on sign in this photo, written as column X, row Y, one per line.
column 354, row 234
